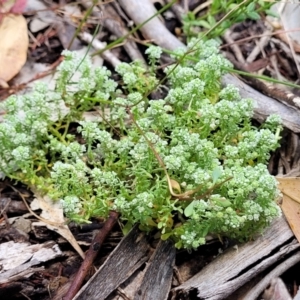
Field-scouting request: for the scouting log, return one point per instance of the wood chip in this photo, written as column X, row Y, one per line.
column 157, row 280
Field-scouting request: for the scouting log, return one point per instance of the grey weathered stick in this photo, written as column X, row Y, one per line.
column 107, row 55
column 265, row 106
column 155, row 30
column 235, row 267
column 263, row 284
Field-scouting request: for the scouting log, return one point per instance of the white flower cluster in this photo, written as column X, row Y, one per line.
column 254, row 145
column 71, row 204
column 153, row 52
column 198, row 142
column 72, row 151
column 24, row 125
column 140, row 152
column 142, row 204
column 108, row 178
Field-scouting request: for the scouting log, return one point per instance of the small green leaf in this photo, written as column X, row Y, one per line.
column 251, row 7
column 189, row 209
column 165, row 236
column 272, row 13
column 223, row 203
column 160, row 225
column 178, row 245
column 232, row 6
column 211, row 20
column 205, row 231
column 126, row 228
column 216, row 173
column 241, row 17
column 204, row 24
column 253, row 15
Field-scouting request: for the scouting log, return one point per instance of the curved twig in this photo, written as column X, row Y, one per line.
column 91, row 255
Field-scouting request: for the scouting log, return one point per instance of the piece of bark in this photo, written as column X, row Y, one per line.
column 113, row 22
column 129, row 287
column 155, row 30
column 127, row 257
column 157, row 280
column 235, row 267
column 14, row 264
column 14, row 234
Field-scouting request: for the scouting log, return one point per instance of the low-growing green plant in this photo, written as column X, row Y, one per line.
column 233, row 11
column 190, row 164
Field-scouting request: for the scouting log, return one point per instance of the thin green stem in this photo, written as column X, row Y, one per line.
column 262, row 77
column 57, row 134
column 84, row 19
column 66, row 130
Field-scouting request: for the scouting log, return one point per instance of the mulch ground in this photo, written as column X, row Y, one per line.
column 244, row 44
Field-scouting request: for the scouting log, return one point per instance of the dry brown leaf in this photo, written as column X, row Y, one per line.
column 175, row 185
column 52, row 216
column 14, row 45
column 290, row 188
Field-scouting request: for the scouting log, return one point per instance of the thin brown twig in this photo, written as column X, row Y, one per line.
column 2, row 211
column 15, row 88
column 91, row 255
column 249, row 38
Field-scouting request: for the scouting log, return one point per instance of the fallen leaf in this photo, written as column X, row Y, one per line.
column 52, row 216
column 13, row 6
column 19, row 6
column 290, row 188
column 14, row 45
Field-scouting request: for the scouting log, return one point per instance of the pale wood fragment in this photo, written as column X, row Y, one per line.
column 276, row 291
column 13, row 264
